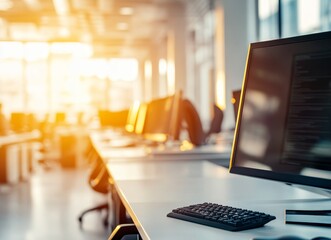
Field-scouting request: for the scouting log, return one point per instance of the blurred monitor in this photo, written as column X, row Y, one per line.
column 32, row 122
column 132, row 117
column 141, row 116
column 60, row 117
column 18, row 121
column 162, row 120
column 115, row 119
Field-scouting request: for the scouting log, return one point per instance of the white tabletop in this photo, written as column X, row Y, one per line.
column 151, row 189
column 102, row 143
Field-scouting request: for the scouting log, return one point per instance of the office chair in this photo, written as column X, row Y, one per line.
column 99, row 181
column 216, row 122
column 193, row 121
column 194, row 126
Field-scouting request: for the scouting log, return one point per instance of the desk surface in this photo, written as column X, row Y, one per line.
column 102, row 144
column 16, row 138
column 151, row 189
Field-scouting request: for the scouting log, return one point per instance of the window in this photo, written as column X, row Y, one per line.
column 286, row 18
column 42, row 77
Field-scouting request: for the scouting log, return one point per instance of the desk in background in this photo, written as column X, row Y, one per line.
column 16, row 156
column 100, row 147
column 219, row 151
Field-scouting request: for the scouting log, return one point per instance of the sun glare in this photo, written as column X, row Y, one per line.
column 68, row 72
column 11, row 50
column 124, row 69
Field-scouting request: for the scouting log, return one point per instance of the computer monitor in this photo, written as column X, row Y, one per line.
column 162, row 119
column 114, row 119
column 132, row 117
column 283, row 130
column 60, row 117
column 18, row 121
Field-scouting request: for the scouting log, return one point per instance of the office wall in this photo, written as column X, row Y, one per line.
column 196, row 54
column 239, row 31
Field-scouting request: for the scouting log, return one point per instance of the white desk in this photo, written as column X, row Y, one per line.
column 100, row 147
column 151, row 189
column 100, row 142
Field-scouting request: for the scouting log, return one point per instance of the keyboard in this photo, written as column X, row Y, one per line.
column 219, row 216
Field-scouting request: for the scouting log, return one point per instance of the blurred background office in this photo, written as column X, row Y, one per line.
column 61, row 61
column 81, row 55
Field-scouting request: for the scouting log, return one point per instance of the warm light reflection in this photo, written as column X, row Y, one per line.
column 64, row 32
column 141, row 118
column 148, row 80
column 36, row 51
column 125, row 69
column 116, row 69
column 6, row 5
column 11, row 50
column 126, row 11
column 97, row 67
column 61, row 6
column 186, row 145
column 72, row 48
column 220, row 90
column 61, row 75
column 122, row 26
column 162, row 66
column 171, row 80
column 132, row 117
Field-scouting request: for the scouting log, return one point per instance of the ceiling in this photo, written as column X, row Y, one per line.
column 120, row 28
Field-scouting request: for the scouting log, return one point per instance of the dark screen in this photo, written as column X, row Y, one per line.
column 158, row 116
column 163, row 118
column 285, row 117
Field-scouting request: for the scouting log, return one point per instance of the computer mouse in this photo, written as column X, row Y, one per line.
column 281, row 238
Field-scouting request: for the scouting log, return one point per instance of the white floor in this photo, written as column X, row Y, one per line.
column 47, row 206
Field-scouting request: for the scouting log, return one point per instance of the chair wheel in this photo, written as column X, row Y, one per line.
column 80, row 219
column 105, row 222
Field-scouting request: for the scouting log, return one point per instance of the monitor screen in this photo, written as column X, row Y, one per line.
column 162, row 120
column 18, row 121
column 132, row 117
column 284, row 126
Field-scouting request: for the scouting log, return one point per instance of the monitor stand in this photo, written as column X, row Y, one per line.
column 310, row 217
column 321, row 191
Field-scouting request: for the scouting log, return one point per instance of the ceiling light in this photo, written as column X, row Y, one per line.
column 122, row 26
column 64, row 32
column 5, row 5
column 61, row 6
column 33, row 4
column 126, row 11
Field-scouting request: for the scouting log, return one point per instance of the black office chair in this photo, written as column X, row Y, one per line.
column 99, row 181
column 193, row 122
column 216, row 122
column 194, row 126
